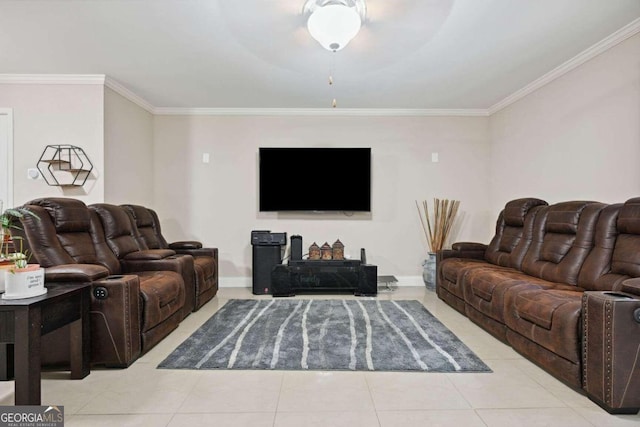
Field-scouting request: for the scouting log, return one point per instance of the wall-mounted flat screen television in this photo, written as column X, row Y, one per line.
column 315, row 179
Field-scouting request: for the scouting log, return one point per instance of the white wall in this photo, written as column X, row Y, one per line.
column 6, row 158
column 217, row 202
column 128, row 148
column 55, row 114
column 577, row 138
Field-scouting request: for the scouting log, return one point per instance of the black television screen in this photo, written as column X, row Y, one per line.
column 315, row 179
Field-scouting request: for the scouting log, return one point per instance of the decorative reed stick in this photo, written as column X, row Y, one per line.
column 437, row 230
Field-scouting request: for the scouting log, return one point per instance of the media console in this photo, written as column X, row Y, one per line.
column 324, row 276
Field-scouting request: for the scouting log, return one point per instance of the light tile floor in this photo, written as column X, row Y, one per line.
column 517, row 393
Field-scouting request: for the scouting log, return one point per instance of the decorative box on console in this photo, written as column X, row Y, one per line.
column 326, row 252
column 338, row 250
column 314, row 251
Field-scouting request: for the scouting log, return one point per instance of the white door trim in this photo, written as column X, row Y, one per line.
column 9, row 163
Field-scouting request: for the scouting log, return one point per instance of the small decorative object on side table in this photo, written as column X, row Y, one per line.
column 22, row 280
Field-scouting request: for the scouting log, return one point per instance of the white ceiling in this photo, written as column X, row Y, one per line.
column 410, row 54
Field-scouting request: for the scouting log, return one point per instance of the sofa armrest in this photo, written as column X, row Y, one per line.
column 115, row 321
column 610, row 342
column 211, row 252
column 75, row 273
column 631, row 286
column 469, row 246
column 185, row 244
column 149, row 255
column 467, row 250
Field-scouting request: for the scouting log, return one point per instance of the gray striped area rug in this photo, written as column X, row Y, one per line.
column 356, row 335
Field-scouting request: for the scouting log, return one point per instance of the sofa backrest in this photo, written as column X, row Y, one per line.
column 54, row 216
column 596, row 274
column 62, row 234
column 120, row 232
column 563, row 236
column 105, row 255
column 514, row 230
column 623, row 244
column 148, row 226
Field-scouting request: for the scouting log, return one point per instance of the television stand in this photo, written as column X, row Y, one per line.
column 324, row 276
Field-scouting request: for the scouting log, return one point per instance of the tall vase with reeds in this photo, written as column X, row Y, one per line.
column 437, row 225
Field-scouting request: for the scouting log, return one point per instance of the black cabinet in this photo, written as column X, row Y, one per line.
column 324, row 276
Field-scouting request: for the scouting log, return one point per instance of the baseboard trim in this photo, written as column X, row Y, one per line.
column 245, row 282
column 234, row 282
column 410, row 281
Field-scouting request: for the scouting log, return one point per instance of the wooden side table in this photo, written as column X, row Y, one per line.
column 24, row 321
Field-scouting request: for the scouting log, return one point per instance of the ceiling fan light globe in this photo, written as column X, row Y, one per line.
column 334, row 25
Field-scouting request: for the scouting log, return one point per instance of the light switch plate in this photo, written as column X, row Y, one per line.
column 33, row 173
column 205, row 157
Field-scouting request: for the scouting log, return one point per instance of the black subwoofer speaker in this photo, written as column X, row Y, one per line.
column 264, row 259
column 296, row 248
column 267, row 253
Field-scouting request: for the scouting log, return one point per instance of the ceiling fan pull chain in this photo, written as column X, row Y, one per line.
column 334, row 103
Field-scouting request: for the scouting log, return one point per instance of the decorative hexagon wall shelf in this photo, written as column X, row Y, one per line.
column 64, row 165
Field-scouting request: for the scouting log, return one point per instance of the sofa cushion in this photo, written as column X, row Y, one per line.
column 516, row 211
column 451, row 269
column 484, row 288
column 629, row 218
column 595, row 273
column 163, row 294
column 68, row 215
column 538, row 310
column 61, row 234
column 563, row 236
column 117, row 225
column 549, row 317
column 144, row 221
column 616, row 255
column 626, row 255
column 513, row 232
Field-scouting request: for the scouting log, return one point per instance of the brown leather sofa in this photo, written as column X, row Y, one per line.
column 557, row 284
column 205, row 259
column 135, row 303
column 121, row 235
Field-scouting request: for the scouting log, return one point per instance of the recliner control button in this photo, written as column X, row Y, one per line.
column 100, row 292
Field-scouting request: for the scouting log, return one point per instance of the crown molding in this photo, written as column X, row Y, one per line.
column 128, row 94
column 605, row 44
column 619, row 36
column 53, row 79
column 335, row 112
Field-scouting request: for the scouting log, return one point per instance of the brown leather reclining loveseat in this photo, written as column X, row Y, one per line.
column 205, row 259
column 138, row 296
column 557, row 284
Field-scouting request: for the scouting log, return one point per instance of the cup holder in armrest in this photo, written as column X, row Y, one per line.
column 114, row 277
column 617, row 295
